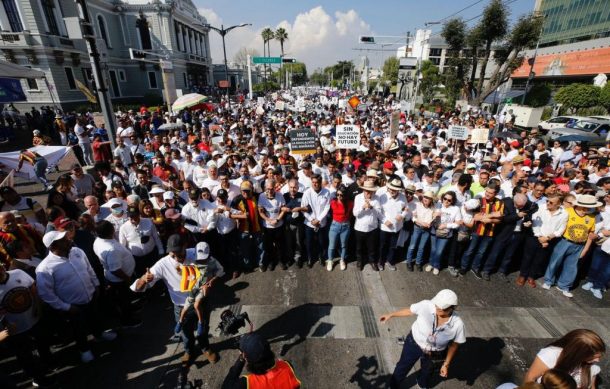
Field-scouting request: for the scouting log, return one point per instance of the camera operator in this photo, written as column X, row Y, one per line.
column 264, row 371
column 435, row 336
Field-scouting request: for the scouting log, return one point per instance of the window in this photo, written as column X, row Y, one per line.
column 101, row 22
column 70, row 77
column 116, row 90
column 48, row 7
column 12, row 14
column 32, row 84
column 185, row 79
column 178, row 39
column 144, row 33
column 152, row 80
column 435, row 52
column 122, row 76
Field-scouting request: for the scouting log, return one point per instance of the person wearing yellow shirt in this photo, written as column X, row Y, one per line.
column 573, row 245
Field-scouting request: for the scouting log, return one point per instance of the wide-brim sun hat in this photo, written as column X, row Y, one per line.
column 369, row 186
column 587, row 201
column 395, row 184
column 429, row 194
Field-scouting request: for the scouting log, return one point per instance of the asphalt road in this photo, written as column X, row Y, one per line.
column 326, row 324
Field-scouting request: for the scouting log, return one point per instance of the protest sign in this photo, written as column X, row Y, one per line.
column 302, row 141
column 458, row 132
column 348, row 136
column 479, row 135
column 279, row 105
column 394, row 121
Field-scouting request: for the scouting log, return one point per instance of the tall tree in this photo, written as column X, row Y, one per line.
column 493, row 34
column 281, row 35
column 429, row 81
column 390, row 70
column 241, row 57
column 267, row 35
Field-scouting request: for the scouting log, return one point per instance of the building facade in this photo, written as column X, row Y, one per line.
column 34, row 34
column 569, row 21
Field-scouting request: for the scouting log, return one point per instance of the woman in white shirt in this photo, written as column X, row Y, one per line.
column 447, row 219
column 422, row 219
column 575, row 353
column 435, row 335
column 552, row 379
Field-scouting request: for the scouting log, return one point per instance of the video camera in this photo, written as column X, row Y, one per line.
column 231, row 323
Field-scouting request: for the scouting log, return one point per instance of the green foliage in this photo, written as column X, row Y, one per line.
column 430, row 79
column 493, row 25
column 546, row 113
column 318, row 78
column 298, row 71
column 454, row 33
column 538, row 95
column 592, row 111
column 390, row 70
column 604, row 96
column 270, row 86
column 340, row 70
column 577, row 96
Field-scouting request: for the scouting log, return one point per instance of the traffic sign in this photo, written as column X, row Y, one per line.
column 258, row 60
column 289, row 60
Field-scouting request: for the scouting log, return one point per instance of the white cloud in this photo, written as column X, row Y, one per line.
column 314, row 37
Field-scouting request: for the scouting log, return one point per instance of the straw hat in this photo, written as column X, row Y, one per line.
column 587, row 201
column 429, row 194
column 395, row 184
column 369, row 186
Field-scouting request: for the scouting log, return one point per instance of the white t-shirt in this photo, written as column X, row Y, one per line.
column 113, row 257
column 427, row 335
column 550, row 355
column 273, row 207
column 17, row 301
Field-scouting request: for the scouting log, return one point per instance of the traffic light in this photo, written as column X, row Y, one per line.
column 367, row 39
column 289, row 60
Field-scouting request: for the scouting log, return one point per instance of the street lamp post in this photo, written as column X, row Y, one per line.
column 224, row 31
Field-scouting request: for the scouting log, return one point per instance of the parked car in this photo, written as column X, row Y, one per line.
column 606, row 118
column 594, row 131
column 557, row 122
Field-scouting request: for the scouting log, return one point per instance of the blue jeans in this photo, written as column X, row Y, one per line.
column 419, row 239
column 565, row 253
column 341, row 231
column 251, row 246
column 599, row 273
column 189, row 325
column 438, row 247
column 477, row 248
column 504, row 249
column 387, row 246
column 40, row 169
column 87, row 153
column 411, row 353
column 316, row 243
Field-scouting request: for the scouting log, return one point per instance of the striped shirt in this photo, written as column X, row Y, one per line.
column 488, row 207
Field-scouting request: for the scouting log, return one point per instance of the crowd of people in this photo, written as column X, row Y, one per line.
column 222, row 192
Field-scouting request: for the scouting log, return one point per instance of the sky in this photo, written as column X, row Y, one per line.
column 322, row 33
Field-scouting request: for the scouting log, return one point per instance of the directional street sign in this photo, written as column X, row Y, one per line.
column 258, row 60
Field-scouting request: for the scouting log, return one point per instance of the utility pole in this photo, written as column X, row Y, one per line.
column 250, row 77
column 88, row 34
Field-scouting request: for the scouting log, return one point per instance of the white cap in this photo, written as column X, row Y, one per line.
column 169, row 195
column 52, row 236
column 203, row 251
column 114, row 201
column 445, row 298
column 156, row 189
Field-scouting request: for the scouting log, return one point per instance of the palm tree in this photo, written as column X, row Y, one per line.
column 281, row 35
column 267, row 34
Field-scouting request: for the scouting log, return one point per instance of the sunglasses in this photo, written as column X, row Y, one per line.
column 447, row 199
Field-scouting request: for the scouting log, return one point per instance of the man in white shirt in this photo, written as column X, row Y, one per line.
column 119, row 265
column 117, row 215
column 317, row 201
column 83, row 133
column 199, row 215
column 66, row 282
column 139, row 235
column 226, row 227
column 548, row 225
column 123, row 151
column 393, row 205
column 367, row 212
column 270, row 204
column 436, row 334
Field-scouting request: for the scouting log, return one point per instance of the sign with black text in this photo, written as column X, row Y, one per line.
column 458, row 132
column 348, row 136
column 302, row 141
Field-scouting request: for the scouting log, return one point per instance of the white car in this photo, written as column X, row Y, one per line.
column 557, row 122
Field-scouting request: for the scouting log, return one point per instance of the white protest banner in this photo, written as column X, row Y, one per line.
column 348, row 136
column 405, row 106
column 479, row 135
column 458, row 132
column 279, row 105
column 260, row 101
column 260, row 111
column 342, row 103
column 394, row 121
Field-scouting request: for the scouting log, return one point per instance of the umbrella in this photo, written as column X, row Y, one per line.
column 188, row 101
column 573, row 138
column 170, row 127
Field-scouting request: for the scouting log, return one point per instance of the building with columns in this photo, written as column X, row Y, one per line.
column 34, row 33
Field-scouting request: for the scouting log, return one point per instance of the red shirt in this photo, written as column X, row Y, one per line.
column 101, row 152
column 164, row 172
column 341, row 214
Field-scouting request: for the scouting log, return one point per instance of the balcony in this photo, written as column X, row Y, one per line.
column 16, row 39
column 57, row 41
